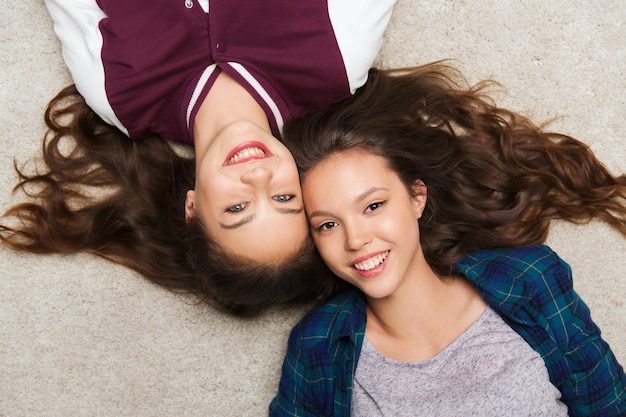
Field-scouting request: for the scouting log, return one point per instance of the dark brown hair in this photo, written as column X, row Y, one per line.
column 494, row 178
column 102, row 193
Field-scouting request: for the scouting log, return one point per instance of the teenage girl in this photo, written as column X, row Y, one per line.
column 427, row 202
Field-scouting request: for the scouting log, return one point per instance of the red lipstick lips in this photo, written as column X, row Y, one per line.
column 250, row 156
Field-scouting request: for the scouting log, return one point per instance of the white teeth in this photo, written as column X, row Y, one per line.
column 246, row 153
column 372, row 262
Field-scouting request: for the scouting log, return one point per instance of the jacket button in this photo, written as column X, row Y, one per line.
column 220, row 46
column 189, row 4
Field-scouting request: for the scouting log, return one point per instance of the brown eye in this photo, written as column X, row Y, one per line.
column 326, row 226
column 375, row 206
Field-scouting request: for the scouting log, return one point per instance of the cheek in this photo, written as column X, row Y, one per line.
column 327, row 247
column 217, row 185
column 214, row 195
column 289, row 174
column 402, row 225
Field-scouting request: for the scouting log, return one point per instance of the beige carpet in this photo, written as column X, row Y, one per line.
column 83, row 337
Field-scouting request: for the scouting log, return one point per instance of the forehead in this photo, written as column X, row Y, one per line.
column 344, row 177
column 349, row 165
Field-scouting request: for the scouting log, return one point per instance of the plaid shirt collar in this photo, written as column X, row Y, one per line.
column 488, row 270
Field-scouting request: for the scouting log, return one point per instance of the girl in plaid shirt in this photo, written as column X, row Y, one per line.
column 408, row 187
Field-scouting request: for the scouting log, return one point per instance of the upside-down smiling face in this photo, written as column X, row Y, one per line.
column 364, row 221
column 248, row 194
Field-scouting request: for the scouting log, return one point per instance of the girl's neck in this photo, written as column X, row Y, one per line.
column 422, row 318
column 226, row 102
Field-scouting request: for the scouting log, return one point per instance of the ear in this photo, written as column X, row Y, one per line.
column 419, row 197
column 190, row 205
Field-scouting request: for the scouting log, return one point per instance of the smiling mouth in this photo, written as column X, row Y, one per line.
column 247, row 152
column 372, row 262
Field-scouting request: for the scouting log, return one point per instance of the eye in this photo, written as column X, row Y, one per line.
column 374, row 206
column 283, row 198
column 326, row 226
column 236, row 208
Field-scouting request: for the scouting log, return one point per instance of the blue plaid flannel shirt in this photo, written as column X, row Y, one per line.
column 531, row 288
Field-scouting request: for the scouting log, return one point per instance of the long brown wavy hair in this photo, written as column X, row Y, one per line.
column 100, row 192
column 494, row 178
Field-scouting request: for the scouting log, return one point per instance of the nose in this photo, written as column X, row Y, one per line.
column 256, row 176
column 356, row 235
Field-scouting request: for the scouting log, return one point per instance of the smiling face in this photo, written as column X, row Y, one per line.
column 364, row 221
column 248, row 194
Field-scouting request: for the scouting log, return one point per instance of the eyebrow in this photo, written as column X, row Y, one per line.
column 251, row 217
column 358, row 198
column 238, row 224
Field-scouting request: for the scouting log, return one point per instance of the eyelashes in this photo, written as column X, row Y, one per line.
column 239, row 207
column 375, row 206
column 283, row 198
column 331, row 224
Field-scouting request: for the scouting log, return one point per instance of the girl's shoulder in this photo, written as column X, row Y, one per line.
column 340, row 317
column 521, row 262
column 517, row 273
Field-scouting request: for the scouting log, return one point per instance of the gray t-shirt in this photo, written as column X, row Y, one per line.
column 487, row 371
